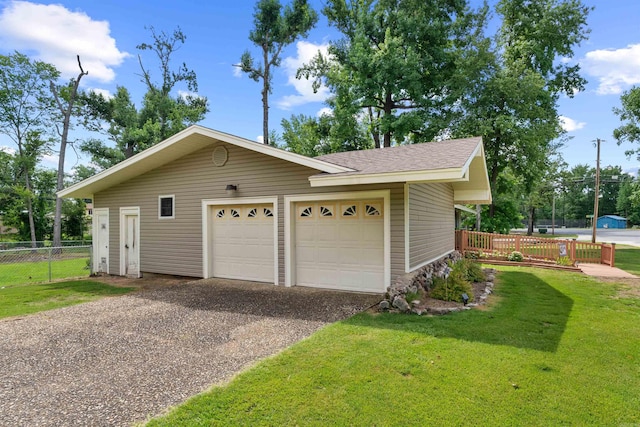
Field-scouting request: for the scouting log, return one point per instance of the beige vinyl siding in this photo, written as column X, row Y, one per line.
column 431, row 222
column 174, row 246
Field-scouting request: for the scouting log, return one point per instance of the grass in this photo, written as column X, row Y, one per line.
column 16, row 300
column 628, row 259
column 553, row 348
column 35, row 272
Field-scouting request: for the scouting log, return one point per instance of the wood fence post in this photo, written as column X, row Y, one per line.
column 518, row 237
column 613, row 254
column 463, row 241
column 572, row 245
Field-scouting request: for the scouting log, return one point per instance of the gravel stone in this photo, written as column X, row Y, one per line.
column 121, row 360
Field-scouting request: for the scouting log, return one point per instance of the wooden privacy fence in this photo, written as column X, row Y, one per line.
column 535, row 247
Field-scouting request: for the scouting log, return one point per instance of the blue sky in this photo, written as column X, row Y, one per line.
column 106, row 33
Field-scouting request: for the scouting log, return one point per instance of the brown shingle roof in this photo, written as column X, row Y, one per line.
column 406, row 158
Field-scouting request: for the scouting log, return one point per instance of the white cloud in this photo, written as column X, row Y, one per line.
column 7, row 150
column 50, row 159
column 616, row 69
column 56, row 35
column 326, row 111
column 569, row 125
column 237, row 71
column 260, row 139
column 306, row 51
column 184, row 94
column 103, row 92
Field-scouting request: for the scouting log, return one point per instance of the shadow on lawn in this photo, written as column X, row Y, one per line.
column 528, row 313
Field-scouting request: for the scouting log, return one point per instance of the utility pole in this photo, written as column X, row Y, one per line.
column 594, row 221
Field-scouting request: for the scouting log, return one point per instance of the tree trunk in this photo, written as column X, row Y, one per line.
column 32, row 223
column 265, row 98
column 532, row 217
column 27, row 184
column 66, row 114
column 388, row 111
column 375, row 130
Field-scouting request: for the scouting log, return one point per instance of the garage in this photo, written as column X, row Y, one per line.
column 339, row 244
column 243, row 242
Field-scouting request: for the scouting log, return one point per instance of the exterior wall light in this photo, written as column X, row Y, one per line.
column 231, row 188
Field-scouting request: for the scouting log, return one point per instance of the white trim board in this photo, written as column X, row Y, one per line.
column 207, row 217
column 289, row 235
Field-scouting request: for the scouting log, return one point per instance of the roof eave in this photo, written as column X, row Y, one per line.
column 130, row 168
column 438, row 175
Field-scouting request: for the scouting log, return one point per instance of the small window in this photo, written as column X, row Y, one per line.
column 253, row 213
column 166, row 207
column 220, row 214
column 326, row 211
column 306, row 212
column 372, row 210
column 235, row 213
column 350, row 211
column 268, row 213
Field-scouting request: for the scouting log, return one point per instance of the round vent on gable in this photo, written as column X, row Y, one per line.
column 220, row 156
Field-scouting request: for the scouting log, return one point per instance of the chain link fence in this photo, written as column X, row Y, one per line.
column 41, row 244
column 44, row 264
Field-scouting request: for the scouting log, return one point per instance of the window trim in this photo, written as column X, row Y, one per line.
column 173, row 206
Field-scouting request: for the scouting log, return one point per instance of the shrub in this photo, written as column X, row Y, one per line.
column 564, row 260
column 412, row 296
column 452, row 288
column 473, row 271
column 515, row 256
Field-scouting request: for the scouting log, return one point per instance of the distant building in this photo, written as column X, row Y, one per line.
column 611, row 221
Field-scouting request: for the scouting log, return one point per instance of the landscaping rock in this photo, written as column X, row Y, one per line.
column 400, row 303
column 384, row 305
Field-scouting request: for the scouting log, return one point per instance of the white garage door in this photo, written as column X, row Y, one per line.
column 340, row 245
column 243, row 245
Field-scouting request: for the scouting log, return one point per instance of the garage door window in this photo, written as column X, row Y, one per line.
column 234, row 213
column 305, row 212
column 268, row 213
column 349, row 211
column 326, row 211
column 372, row 209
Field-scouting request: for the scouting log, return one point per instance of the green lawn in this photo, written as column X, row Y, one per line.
column 37, row 272
column 23, row 299
column 628, row 259
column 553, row 348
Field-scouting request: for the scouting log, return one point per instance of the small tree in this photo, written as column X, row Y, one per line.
column 25, row 110
column 272, row 32
column 163, row 113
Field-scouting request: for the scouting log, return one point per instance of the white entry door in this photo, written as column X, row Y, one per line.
column 340, row 245
column 130, row 242
column 243, row 242
column 101, row 240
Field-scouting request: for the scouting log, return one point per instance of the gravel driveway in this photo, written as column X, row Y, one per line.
column 123, row 359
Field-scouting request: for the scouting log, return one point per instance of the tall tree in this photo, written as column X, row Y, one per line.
column 163, row 113
column 315, row 136
column 25, row 108
column 65, row 98
column 513, row 102
column 629, row 114
column 274, row 29
column 396, row 62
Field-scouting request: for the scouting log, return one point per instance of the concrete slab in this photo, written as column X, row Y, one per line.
column 600, row 270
